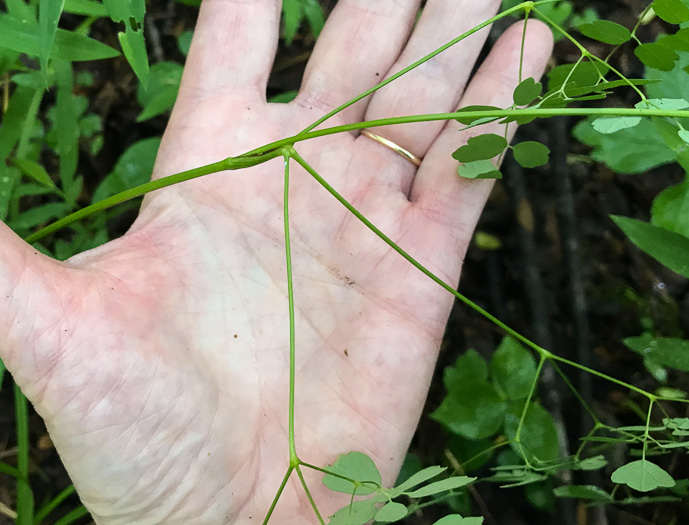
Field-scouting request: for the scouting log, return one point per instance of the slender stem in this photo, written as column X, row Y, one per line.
column 25, row 500
column 285, row 479
column 411, row 260
column 309, row 496
column 293, row 459
column 416, row 64
column 477, row 114
column 532, row 391
column 230, row 163
column 648, row 423
column 274, row 149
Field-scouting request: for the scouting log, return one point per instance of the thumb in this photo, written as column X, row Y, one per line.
column 30, row 308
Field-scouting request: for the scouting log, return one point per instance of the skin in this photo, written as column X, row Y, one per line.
column 159, row 361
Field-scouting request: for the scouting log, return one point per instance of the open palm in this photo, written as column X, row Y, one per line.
column 160, row 360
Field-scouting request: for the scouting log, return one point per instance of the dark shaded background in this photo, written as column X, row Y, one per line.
column 564, row 275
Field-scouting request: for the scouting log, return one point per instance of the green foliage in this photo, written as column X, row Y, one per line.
column 483, row 402
column 642, row 475
column 295, row 12
column 356, row 474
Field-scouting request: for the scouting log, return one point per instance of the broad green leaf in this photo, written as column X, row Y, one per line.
column 391, row 512
column 656, row 56
column 9, row 180
column 419, row 477
column 292, row 15
column 667, row 247
column 671, row 352
column 472, row 408
column 48, row 17
column 672, row 11
column 671, row 209
column 606, row 31
column 127, row 11
column 642, row 475
column 608, row 125
column 34, row 170
column 131, row 14
column 134, row 49
column 66, row 123
column 538, row 435
column 684, row 135
column 530, row 154
column 526, row 92
column 358, row 513
column 471, row 120
column 481, row 169
column 513, row 368
column 589, row 492
column 441, row 486
column 85, row 7
column 163, row 86
column 313, row 12
column 482, row 147
column 356, row 466
column 628, row 151
column 24, row 37
column 133, row 168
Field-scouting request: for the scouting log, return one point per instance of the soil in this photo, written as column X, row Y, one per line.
column 564, row 275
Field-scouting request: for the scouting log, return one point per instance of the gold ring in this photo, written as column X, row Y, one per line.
column 416, row 161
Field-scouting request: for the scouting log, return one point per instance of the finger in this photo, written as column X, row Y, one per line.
column 233, row 48
column 29, row 307
column 356, row 48
column 436, row 86
column 437, row 189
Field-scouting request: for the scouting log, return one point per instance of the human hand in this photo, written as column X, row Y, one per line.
column 159, row 361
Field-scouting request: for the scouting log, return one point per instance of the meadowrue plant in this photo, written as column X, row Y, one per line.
column 492, row 404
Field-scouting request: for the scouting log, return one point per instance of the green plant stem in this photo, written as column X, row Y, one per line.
column 53, row 504
column 499, row 113
column 274, row 149
column 309, row 496
column 522, row 418
column 230, row 163
column 25, row 502
column 274, row 503
column 293, row 459
column 524, row 6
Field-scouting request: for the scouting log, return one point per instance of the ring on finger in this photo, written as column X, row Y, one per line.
column 416, row 161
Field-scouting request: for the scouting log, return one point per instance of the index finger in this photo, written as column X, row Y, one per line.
column 233, row 48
